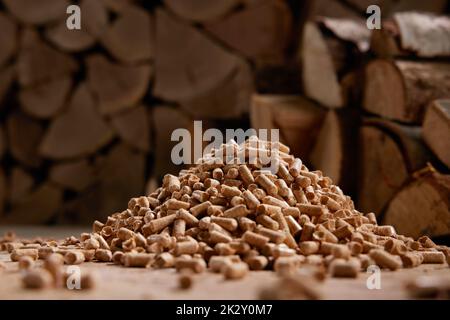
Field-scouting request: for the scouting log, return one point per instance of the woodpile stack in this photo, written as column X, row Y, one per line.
column 382, row 121
column 86, row 115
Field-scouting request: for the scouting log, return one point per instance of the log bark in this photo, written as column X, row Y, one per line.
column 37, row 12
column 24, row 135
column 202, row 10
column 165, row 120
column 401, row 90
column 187, row 63
column 260, row 32
column 388, row 154
column 412, row 34
column 330, row 49
column 47, row 99
column 69, row 40
column 37, row 62
column 116, row 87
column 230, row 99
column 334, row 152
column 78, row 132
column 422, row 207
column 436, row 129
column 20, row 184
column 8, row 38
column 38, row 207
column 130, row 38
column 133, row 127
column 297, row 118
column 74, row 175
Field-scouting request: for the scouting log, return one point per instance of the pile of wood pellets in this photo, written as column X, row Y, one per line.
column 233, row 218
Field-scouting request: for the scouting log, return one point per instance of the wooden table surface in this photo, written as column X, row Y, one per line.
column 116, row 282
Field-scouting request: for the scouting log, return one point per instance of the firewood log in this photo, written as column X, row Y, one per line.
column 165, row 120
column 74, row 175
column 7, row 76
column 260, row 31
column 20, row 184
column 297, row 119
column 37, row 207
column 117, row 87
column 412, row 34
column 330, row 49
column 401, row 90
column 38, row 62
column 130, row 38
column 334, row 151
column 37, row 11
column 187, row 63
column 77, row 132
column 422, row 207
column 388, row 154
column 230, row 99
column 436, row 129
column 69, row 40
column 133, row 127
column 45, row 100
column 8, row 38
column 24, row 135
column 201, row 10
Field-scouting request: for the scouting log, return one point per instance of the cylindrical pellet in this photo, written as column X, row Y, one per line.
column 341, row 268
column 267, row 222
column 255, row 239
column 411, row 259
column 73, row 257
column 219, row 237
column 385, row 259
column 257, row 262
column 274, row 236
column 235, row 270
column 157, row 225
column 103, row 255
column 266, row 184
column 200, row 208
column 310, row 209
column 309, row 247
column 16, row 254
column 179, row 228
column 432, row 257
column 139, row 260
column 164, row 260
column 196, row 265
column 117, row 257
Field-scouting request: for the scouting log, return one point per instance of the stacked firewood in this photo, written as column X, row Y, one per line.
column 86, row 115
column 372, row 112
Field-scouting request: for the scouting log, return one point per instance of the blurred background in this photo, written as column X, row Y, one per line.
column 86, row 115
